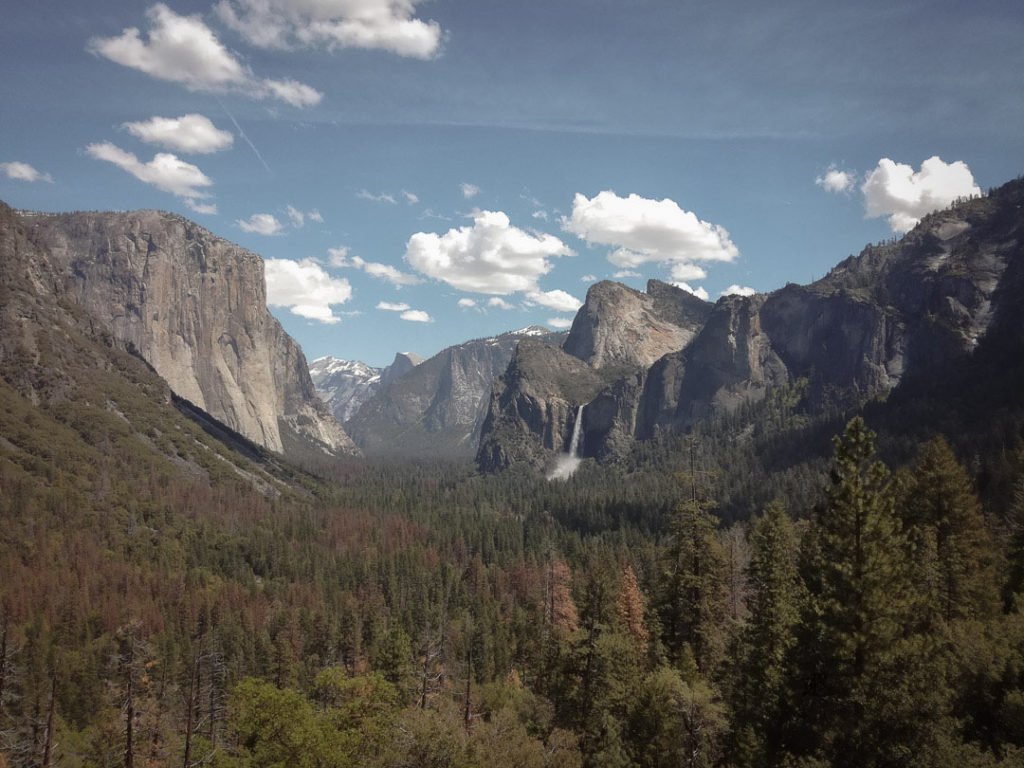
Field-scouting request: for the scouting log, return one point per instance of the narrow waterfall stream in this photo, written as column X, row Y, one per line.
column 567, row 463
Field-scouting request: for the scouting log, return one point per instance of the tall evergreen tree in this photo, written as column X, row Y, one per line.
column 694, row 599
column 940, row 509
column 846, row 663
column 769, row 633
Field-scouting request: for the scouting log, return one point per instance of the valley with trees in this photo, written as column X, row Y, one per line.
column 785, row 583
column 531, row 384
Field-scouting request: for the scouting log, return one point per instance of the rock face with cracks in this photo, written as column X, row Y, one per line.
column 664, row 360
column 194, row 307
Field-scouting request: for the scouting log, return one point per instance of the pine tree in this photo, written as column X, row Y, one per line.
column 769, row 633
column 847, row 674
column 939, row 507
column 694, row 599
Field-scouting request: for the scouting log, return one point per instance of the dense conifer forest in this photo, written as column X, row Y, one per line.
column 709, row 601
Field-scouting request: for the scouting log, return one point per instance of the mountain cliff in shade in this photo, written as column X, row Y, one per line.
column 194, row 307
column 344, row 385
column 896, row 311
column 437, row 408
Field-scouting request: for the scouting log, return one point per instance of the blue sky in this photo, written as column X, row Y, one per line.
column 420, row 173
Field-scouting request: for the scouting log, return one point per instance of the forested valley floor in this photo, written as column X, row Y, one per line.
column 642, row 614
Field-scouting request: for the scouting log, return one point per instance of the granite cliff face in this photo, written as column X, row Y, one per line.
column 194, row 307
column 904, row 309
column 436, row 408
column 533, row 404
column 621, row 327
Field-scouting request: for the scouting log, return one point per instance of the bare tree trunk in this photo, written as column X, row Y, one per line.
column 469, row 682
column 48, row 746
column 3, row 671
column 191, row 707
column 129, row 714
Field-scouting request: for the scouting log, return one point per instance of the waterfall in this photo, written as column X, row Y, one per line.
column 567, row 463
column 574, row 446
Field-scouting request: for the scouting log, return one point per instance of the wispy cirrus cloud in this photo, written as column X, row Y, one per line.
column 383, row 197
column 340, row 257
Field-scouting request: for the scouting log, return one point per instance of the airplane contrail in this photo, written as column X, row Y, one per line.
column 242, row 134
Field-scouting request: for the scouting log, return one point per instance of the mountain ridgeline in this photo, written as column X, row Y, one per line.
column 644, row 364
column 436, row 408
column 193, row 306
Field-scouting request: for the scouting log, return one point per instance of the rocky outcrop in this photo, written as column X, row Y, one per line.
column 344, row 385
column 401, row 365
column 533, row 405
column 621, row 327
column 904, row 309
column 436, row 408
column 194, row 306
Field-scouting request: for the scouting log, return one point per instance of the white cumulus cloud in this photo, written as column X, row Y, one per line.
column 410, row 197
column 165, row 171
column 644, row 230
column 699, row 292
column 738, row 290
column 305, row 289
column 905, row 196
column 416, row 316
column 560, row 301
column 388, row 25
column 491, row 256
column 623, row 273
column 182, row 49
column 261, row 224
column 836, row 181
column 24, row 172
column 193, row 134
column 467, row 303
column 588, row 279
column 391, row 306
column 469, row 190
column 560, row 322
column 499, row 303
column 683, row 271
column 314, row 215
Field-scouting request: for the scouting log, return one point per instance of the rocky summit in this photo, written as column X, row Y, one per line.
column 664, row 360
column 194, row 307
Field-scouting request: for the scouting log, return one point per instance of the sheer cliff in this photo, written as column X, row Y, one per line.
column 194, row 307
